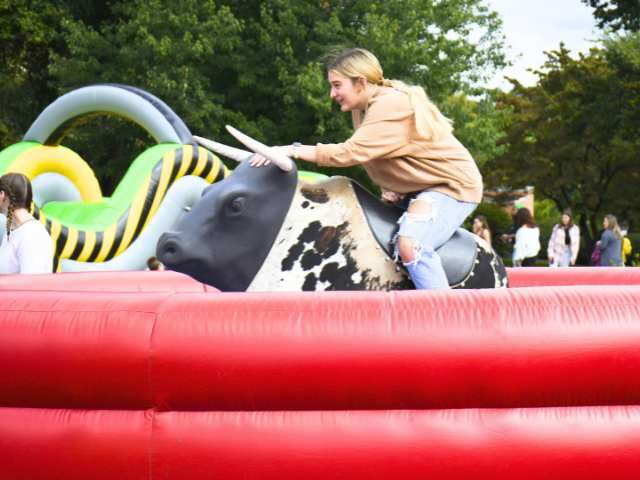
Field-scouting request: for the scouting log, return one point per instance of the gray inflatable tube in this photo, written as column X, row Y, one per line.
column 53, row 187
column 183, row 193
column 137, row 105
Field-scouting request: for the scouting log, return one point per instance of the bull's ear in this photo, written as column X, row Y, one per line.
column 282, row 161
column 224, row 150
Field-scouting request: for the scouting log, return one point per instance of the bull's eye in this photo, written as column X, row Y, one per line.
column 236, row 205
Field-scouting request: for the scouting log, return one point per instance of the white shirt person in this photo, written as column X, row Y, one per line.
column 28, row 249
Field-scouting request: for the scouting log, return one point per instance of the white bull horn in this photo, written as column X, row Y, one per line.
column 230, row 152
column 282, row 161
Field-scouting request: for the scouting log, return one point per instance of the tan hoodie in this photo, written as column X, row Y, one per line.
column 396, row 158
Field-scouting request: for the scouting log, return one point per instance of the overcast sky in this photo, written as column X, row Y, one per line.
column 534, row 26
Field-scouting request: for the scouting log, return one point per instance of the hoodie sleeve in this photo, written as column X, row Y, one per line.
column 385, row 129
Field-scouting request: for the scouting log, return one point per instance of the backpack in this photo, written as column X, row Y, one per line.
column 595, row 256
column 627, row 249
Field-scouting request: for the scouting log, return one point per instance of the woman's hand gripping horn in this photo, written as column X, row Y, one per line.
column 277, row 155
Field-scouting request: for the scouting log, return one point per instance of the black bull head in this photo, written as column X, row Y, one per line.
column 262, row 229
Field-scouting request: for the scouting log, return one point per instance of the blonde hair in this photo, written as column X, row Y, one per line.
column 431, row 124
column 613, row 225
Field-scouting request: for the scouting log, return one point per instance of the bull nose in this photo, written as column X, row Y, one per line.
column 169, row 249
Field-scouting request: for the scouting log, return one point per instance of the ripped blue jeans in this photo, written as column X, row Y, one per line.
column 428, row 232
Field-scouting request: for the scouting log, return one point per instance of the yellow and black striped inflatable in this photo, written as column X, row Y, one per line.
column 86, row 245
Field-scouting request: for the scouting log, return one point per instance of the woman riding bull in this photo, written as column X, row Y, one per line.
column 407, row 147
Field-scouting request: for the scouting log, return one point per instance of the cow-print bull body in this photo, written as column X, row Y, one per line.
column 326, row 243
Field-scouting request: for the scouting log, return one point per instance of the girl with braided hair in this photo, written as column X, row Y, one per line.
column 407, row 147
column 26, row 245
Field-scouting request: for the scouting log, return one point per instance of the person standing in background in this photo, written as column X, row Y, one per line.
column 481, row 228
column 155, row 265
column 564, row 242
column 610, row 243
column 527, row 244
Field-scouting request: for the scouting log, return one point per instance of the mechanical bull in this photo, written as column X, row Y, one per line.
column 262, row 229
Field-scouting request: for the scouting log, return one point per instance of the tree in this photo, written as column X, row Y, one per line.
column 478, row 124
column 574, row 135
column 616, row 14
column 256, row 64
column 27, row 39
column 175, row 50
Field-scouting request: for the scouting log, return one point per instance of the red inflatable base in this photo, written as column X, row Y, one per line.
column 154, row 376
column 552, row 443
column 176, row 282
column 527, row 347
column 549, row 277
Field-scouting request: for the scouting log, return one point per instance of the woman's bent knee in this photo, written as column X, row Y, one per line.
column 414, row 228
column 406, row 249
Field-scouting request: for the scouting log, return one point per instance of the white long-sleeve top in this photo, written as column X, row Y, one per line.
column 527, row 243
column 28, row 249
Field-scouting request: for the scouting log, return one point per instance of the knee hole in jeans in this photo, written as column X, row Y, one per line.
column 407, row 249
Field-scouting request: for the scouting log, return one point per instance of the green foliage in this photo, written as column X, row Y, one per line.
column 616, row 14
column 28, row 36
column 254, row 64
column 478, row 124
column 547, row 215
column 574, row 135
column 159, row 47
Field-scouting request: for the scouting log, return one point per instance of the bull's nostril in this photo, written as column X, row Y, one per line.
column 168, row 248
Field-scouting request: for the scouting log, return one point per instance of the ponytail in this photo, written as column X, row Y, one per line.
column 12, row 205
column 431, row 124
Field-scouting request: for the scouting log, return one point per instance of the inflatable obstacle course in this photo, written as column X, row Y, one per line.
column 89, row 228
column 100, row 232
column 91, row 231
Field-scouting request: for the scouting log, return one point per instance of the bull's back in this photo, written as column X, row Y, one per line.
column 326, row 243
